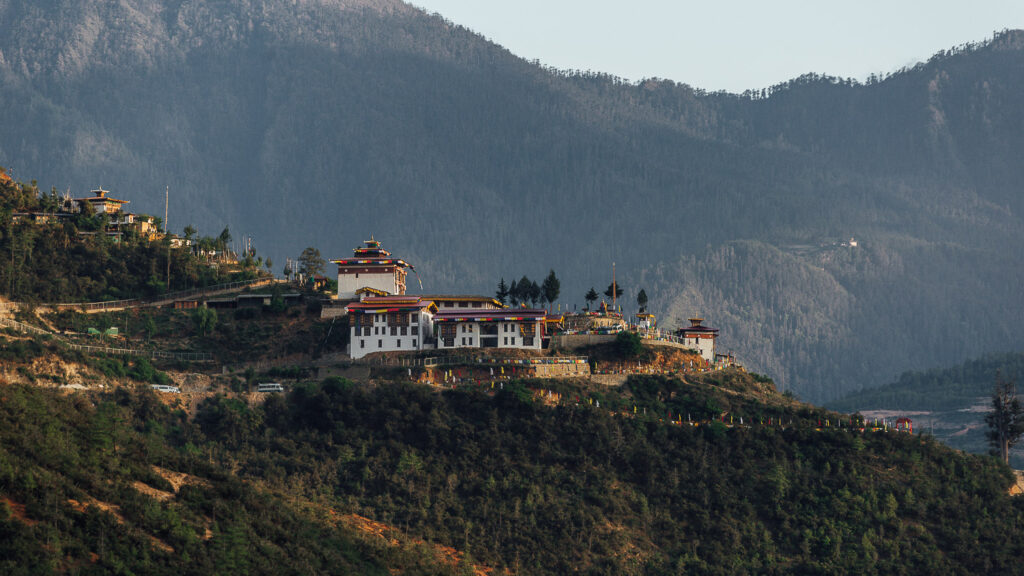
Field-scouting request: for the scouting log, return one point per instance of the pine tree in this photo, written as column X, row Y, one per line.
column 618, row 290
column 534, row 293
column 591, row 297
column 641, row 300
column 551, row 287
column 1006, row 420
column 503, row 292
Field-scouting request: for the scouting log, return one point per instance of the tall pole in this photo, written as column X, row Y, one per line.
column 167, row 198
column 614, row 287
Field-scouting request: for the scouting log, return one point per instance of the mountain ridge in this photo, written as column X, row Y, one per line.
column 323, row 123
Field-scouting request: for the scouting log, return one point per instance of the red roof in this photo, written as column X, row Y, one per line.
column 382, row 304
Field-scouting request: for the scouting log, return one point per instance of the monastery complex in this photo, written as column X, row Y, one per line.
column 383, row 317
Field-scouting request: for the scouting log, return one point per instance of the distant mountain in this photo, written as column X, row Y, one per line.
column 322, row 122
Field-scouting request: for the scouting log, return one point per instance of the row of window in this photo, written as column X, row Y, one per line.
column 395, row 331
column 380, row 343
column 383, row 318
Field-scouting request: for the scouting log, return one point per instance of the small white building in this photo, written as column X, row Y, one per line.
column 390, row 324
column 700, row 338
column 371, row 267
column 517, row 328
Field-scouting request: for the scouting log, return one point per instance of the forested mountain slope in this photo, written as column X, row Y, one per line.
column 319, row 123
column 506, row 478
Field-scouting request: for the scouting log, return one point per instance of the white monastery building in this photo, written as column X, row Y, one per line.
column 520, row 328
column 389, row 324
column 371, row 267
column 700, row 338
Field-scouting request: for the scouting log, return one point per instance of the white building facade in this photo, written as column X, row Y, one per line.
column 701, row 338
column 371, row 266
column 390, row 324
column 493, row 328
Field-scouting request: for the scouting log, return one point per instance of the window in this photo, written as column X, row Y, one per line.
column 414, row 343
column 380, row 343
column 366, row 331
column 463, row 304
column 376, row 331
column 415, row 317
column 394, row 330
column 506, row 341
column 463, row 340
column 362, row 343
column 527, row 341
column 477, row 304
column 404, row 330
column 415, row 330
column 513, row 342
column 398, row 343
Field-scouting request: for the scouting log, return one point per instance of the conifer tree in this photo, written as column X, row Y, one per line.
column 1006, row 420
column 641, row 300
column 551, row 287
column 502, row 293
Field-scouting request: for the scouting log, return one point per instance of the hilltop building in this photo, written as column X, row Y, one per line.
column 371, row 266
column 101, row 203
column 118, row 220
column 700, row 337
column 518, row 328
column 390, row 324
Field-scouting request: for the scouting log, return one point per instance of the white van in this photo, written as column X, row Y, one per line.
column 165, row 388
column 270, row 387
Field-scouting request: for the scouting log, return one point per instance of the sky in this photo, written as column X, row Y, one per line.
column 731, row 45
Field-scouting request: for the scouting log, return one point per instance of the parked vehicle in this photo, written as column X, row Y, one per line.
column 270, row 387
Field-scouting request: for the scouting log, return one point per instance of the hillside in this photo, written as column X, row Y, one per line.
column 538, row 477
column 319, row 123
column 949, row 403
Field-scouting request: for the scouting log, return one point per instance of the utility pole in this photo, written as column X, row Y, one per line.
column 614, row 287
column 167, row 198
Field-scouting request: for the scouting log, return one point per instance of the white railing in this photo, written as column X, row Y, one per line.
column 155, row 354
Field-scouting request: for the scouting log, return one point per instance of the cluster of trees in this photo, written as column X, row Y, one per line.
column 613, row 292
column 526, row 290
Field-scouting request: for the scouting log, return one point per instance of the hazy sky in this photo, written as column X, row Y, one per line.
column 731, row 44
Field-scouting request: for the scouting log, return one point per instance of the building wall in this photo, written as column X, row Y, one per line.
column 704, row 344
column 380, row 338
column 468, row 335
column 349, row 283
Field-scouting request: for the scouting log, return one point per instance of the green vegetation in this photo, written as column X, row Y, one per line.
column 550, row 490
column 77, row 485
column 941, row 389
